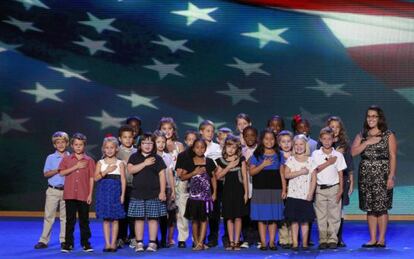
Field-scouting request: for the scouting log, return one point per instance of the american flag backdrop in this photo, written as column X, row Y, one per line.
column 86, row 65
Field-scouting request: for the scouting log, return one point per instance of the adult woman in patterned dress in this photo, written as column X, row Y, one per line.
column 377, row 146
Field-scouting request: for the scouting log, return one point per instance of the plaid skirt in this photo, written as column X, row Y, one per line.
column 150, row 209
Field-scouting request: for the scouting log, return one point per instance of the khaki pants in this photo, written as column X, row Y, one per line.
column 54, row 199
column 328, row 214
column 181, row 202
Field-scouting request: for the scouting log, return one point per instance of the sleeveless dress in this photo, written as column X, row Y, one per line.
column 233, row 191
column 373, row 175
column 108, row 193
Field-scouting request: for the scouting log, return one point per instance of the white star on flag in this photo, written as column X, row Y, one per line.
column 22, row 25
column 406, row 93
column 164, row 69
column 328, row 89
column 6, row 47
column 173, row 45
column 200, row 120
column 193, row 13
column 265, row 35
column 7, row 123
column 100, row 24
column 42, row 93
column 238, row 94
column 317, row 120
column 30, row 3
column 137, row 100
column 107, row 120
column 93, row 45
column 69, row 72
column 248, row 68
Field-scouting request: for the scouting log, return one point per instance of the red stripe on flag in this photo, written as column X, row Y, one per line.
column 371, row 7
column 391, row 63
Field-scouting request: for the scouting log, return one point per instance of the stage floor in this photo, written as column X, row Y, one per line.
column 19, row 235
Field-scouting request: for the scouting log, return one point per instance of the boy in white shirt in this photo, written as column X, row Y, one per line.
column 328, row 165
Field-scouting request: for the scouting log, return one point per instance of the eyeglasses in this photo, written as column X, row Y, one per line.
column 147, row 143
column 372, row 116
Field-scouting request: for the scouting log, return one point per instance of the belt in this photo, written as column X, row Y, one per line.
column 56, row 187
column 112, row 176
column 325, row 186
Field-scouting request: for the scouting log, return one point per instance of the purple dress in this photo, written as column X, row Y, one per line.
column 200, row 204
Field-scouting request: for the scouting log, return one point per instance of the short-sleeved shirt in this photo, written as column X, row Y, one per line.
column 123, row 154
column 198, row 188
column 52, row 163
column 183, row 159
column 77, row 183
column 146, row 183
column 313, row 144
column 213, row 151
column 299, row 186
column 347, row 155
column 269, row 177
column 329, row 175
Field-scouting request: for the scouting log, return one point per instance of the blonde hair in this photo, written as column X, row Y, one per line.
column 326, row 130
column 303, row 138
column 109, row 140
column 60, row 135
column 204, row 124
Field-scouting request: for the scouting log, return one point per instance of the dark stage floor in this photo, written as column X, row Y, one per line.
column 19, row 235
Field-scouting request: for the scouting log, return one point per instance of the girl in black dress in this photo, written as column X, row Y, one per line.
column 232, row 167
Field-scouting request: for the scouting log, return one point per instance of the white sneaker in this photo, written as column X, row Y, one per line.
column 133, row 243
column 245, row 245
column 259, row 245
column 152, row 247
column 139, row 247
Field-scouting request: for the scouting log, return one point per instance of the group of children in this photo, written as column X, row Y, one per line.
column 256, row 183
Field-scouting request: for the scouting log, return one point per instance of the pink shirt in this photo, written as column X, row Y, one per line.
column 77, row 183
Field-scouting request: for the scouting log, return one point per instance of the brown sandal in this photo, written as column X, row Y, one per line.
column 198, row 247
column 236, row 246
column 230, row 246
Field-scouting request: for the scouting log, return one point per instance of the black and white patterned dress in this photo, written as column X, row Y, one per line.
column 373, row 175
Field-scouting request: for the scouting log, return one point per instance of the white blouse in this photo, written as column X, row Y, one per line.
column 298, row 187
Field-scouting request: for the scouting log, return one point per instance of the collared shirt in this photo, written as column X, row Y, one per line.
column 52, row 163
column 329, row 175
column 77, row 183
column 124, row 154
column 213, row 151
column 313, row 144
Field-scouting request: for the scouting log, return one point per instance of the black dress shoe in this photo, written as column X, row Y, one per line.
column 323, row 246
column 368, row 245
column 181, row 244
column 263, row 248
column 106, row 250
column 379, row 245
column 273, row 247
column 212, row 243
column 341, row 244
column 40, row 245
